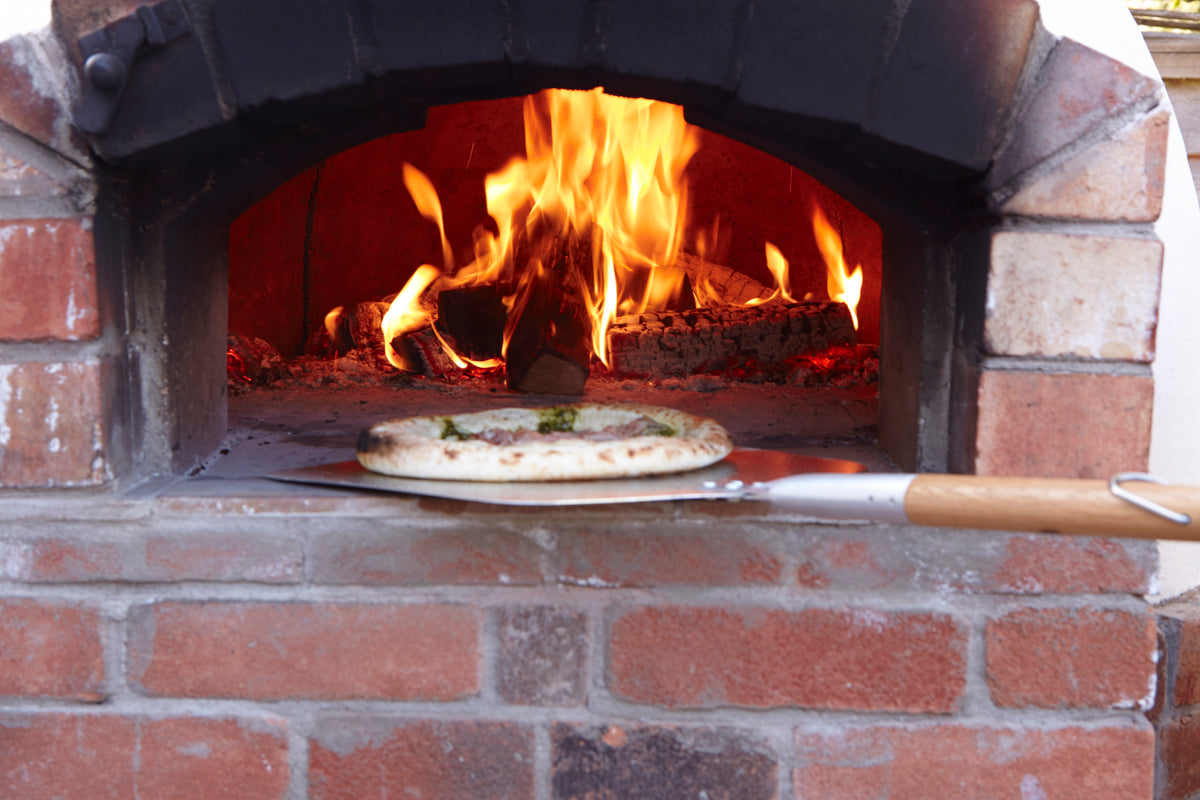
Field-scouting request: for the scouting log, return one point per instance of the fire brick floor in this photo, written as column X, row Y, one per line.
column 275, row 429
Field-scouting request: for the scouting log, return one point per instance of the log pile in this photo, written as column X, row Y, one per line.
column 668, row 344
column 550, row 347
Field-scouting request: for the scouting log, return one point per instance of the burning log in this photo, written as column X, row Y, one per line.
column 362, row 323
column 727, row 285
column 550, row 347
column 472, row 318
column 423, row 352
column 665, row 344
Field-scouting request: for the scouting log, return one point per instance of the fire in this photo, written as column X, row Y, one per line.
column 405, row 313
column 602, row 172
column 778, row 265
column 843, row 286
column 597, row 206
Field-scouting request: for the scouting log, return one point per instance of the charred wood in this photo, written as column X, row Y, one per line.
column 364, row 322
column 666, row 344
column 715, row 281
column 424, row 354
column 472, row 318
column 550, row 346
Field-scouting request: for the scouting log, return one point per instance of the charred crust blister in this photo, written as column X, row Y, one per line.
column 369, row 441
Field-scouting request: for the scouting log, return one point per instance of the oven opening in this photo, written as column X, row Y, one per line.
column 557, row 247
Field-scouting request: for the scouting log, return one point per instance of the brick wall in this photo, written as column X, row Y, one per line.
column 1176, row 712
column 186, row 647
column 324, row 646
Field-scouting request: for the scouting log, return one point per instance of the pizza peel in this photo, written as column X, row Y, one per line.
column 826, row 488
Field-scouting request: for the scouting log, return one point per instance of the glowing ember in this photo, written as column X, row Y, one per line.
column 842, row 285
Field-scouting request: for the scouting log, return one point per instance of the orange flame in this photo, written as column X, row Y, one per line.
column 778, row 265
column 843, row 286
column 601, row 171
column 426, row 199
column 598, row 201
column 332, row 319
column 405, row 313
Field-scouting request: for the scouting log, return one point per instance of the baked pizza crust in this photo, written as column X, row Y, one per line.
column 443, row 448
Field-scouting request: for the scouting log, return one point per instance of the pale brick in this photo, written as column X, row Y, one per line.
column 1120, row 178
column 1053, row 294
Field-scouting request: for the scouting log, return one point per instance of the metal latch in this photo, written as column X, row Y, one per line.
column 109, row 54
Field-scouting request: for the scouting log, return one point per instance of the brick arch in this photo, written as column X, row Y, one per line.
column 889, row 86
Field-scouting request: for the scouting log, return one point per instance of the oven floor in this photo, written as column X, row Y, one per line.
column 274, row 429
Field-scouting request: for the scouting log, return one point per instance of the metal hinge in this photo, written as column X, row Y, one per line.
column 109, row 54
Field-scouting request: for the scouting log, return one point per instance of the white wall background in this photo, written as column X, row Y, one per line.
column 1106, row 26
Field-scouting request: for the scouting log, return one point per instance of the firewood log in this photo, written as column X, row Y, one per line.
column 730, row 285
column 551, row 337
column 472, row 319
column 666, row 344
column 424, row 354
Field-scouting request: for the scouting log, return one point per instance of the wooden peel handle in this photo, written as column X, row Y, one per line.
column 1050, row 506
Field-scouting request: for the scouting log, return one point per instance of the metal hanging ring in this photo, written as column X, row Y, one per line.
column 1114, row 486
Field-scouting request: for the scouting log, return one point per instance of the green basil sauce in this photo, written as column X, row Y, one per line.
column 660, row 429
column 560, row 419
column 449, row 431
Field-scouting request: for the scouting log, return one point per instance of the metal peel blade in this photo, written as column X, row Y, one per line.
column 731, row 478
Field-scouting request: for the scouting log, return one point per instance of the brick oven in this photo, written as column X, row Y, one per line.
column 174, row 625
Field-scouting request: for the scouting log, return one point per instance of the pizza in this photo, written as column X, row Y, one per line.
column 567, row 442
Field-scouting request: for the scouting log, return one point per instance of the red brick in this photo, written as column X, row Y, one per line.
column 1187, row 678
column 610, row 761
column 99, row 757
column 20, row 179
column 233, row 555
column 543, row 655
column 1074, row 565
column 819, row 658
column 309, row 650
column 352, row 758
column 1185, row 621
column 51, row 433
column 1062, row 425
column 975, row 763
column 48, row 280
column 67, row 757
column 1073, row 658
column 27, row 101
column 50, row 651
column 845, row 562
column 198, row 759
column 225, row 557
column 386, row 557
column 59, row 559
column 651, row 558
column 268, row 239
column 1179, row 756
